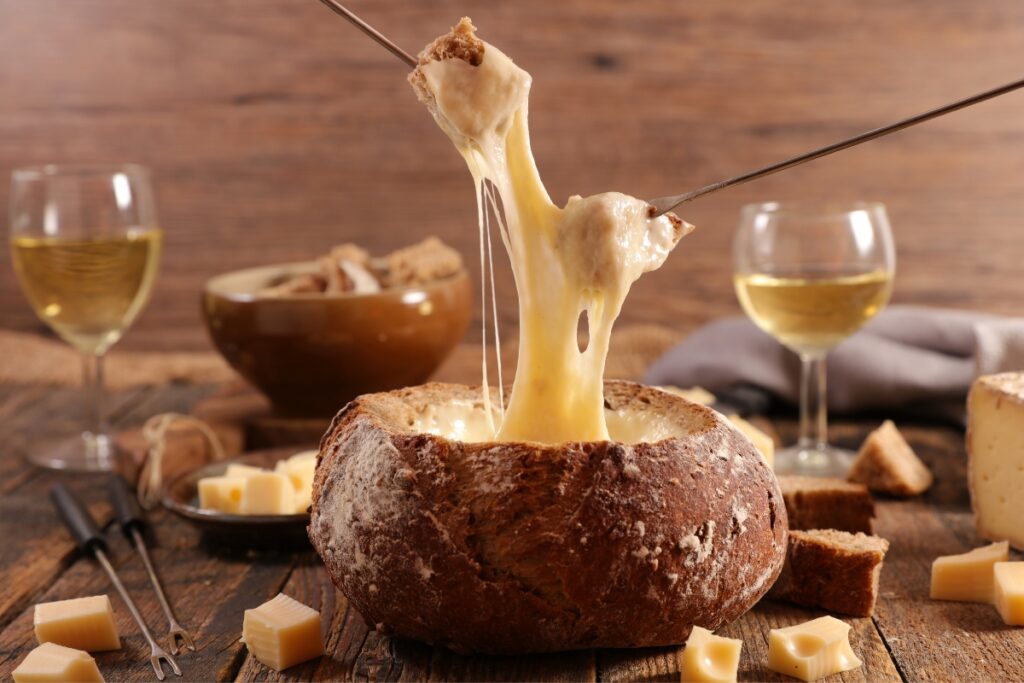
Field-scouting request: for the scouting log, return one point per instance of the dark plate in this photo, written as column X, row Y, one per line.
column 182, row 498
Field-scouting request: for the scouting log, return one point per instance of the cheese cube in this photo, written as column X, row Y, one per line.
column 711, row 658
column 300, row 469
column 236, row 470
column 52, row 663
column 967, row 577
column 82, row 623
column 282, row 632
column 1009, row 592
column 223, row 494
column 812, row 650
column 995, row 456
column 268, row 493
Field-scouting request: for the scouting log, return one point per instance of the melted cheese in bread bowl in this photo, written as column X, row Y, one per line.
column 468, row 421
column 567, row 261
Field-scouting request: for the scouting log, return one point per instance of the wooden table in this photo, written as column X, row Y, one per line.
column 910, row 637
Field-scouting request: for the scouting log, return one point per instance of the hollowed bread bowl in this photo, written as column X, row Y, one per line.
column 507, row 547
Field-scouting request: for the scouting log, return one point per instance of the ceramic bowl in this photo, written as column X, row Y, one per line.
column 312, row 353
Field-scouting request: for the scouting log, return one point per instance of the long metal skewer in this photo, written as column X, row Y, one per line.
column 337, row 7
column 132, row 520
column 663, row 205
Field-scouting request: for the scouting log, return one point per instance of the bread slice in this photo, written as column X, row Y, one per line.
column 832, row 570
column 886, row 463
column 459, row 43
column 824, row 503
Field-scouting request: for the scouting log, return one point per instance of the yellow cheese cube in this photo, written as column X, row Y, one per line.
column 223, row 494
column 82, row 623
column 967, row 577
column 52, row 663
column 236, row 470
column 812, row 650
column 268, row 493
column 282, row 632
column 1009, row 591
column 300, row 469
column 711, row 658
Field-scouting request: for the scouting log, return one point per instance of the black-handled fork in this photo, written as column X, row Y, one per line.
column 88, row 537
column 130, row 516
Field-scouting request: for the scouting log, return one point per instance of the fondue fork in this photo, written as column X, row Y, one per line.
column 89, row 539
column 130, row 517
column 662, row 205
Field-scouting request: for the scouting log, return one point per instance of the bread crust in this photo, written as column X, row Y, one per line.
column 527, row 547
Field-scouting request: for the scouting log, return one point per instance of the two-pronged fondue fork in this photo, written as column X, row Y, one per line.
column 662, row 205
column 88, row 537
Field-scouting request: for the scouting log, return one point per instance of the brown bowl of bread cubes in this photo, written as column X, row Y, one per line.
column 314, row 335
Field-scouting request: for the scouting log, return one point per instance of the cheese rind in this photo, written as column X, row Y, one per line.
column 710, row 658
column 1009, row 592
column 82, row 623
column 967, row 577
column 52, row 663
column 812, row 650
column 995, row 456
column 282, row 632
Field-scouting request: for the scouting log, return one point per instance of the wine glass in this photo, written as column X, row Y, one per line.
column 811, row 275
column 85, row 245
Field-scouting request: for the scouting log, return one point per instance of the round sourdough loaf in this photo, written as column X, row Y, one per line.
column 507, row 547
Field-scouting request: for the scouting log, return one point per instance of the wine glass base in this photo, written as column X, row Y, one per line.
column 814, row 461
column 85, row 452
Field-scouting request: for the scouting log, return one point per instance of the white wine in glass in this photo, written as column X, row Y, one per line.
column 810, row 276
column 85, row 245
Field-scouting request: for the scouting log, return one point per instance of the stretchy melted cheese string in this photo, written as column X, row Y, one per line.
column 565, row 261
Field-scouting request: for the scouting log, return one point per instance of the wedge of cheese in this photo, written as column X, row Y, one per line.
column 967, row 577
column 1009, row 592
column 995, row 462
column 52, row 663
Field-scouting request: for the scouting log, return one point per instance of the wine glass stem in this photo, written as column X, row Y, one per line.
column 93, row 391
column 813, row 409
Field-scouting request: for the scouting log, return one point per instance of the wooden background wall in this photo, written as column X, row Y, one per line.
column 275, row 129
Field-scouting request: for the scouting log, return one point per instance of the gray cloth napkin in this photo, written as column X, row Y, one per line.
column 909, row 359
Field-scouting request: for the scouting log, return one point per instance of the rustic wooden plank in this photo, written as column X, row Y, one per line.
column 36, row 549
column 933, row 640
column 209, row 588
